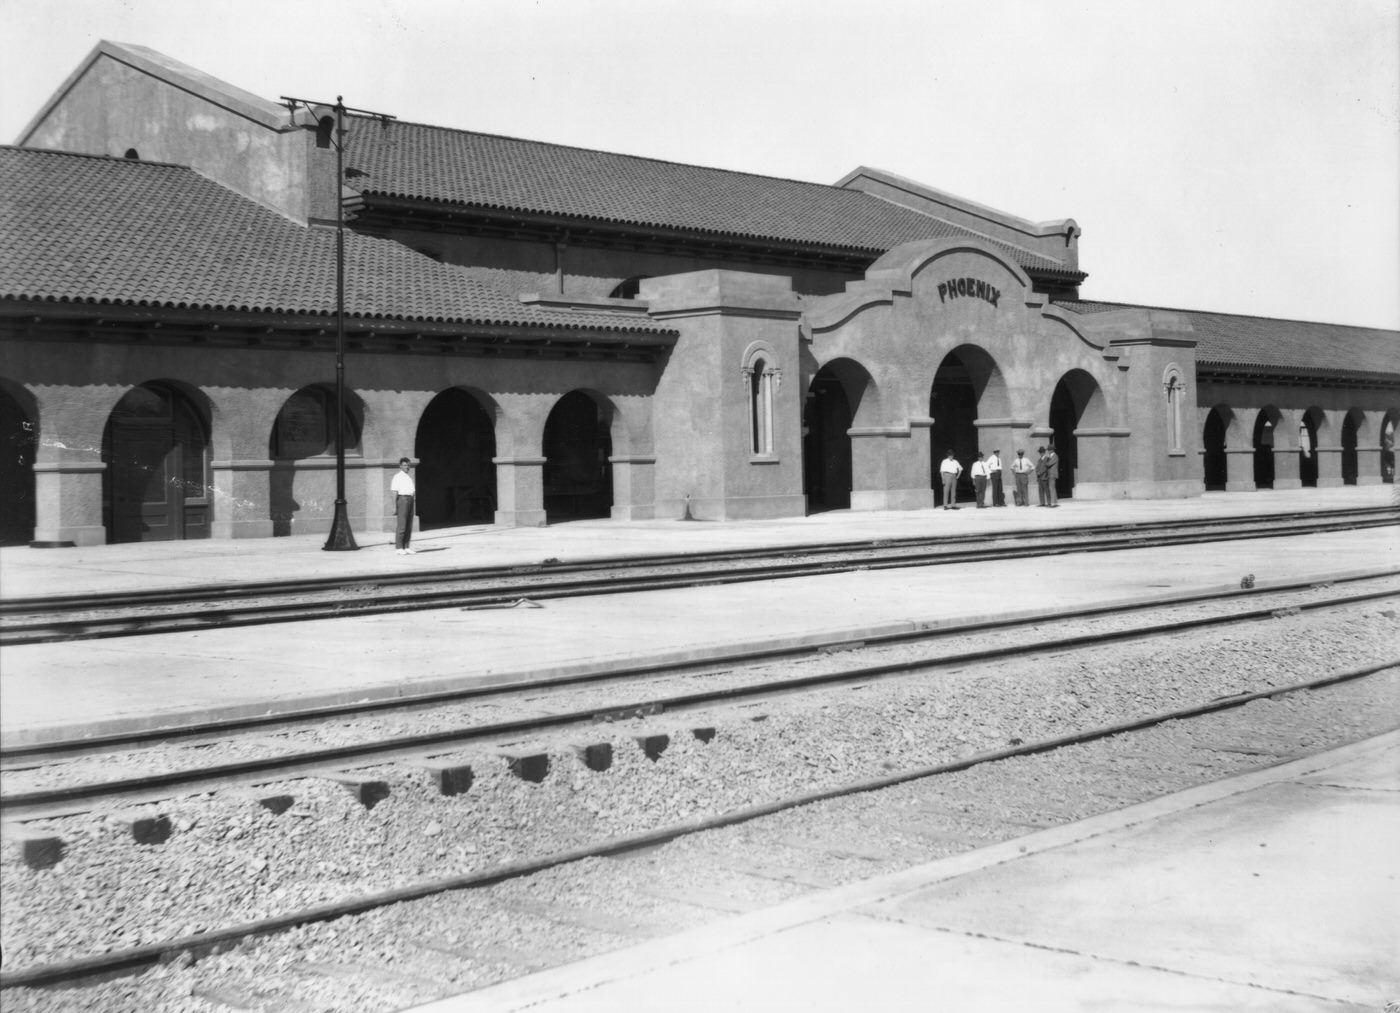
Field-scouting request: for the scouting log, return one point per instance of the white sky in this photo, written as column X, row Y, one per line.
column 1232, row 155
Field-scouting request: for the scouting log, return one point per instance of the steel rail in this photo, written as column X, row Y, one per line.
column 310, row 585
column 201, row 943
column 18, row 756
column 610, row 581
column 25, row 806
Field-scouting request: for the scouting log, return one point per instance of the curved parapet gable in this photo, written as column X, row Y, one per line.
column 893, row 275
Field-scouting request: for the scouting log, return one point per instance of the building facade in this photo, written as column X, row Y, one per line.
column 557, row 333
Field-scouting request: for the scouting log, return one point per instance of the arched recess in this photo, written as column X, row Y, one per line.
column 454, row 445
column 156, row 448
column 1309, row 429
column 1353, row 425
column 19, row 442
column 967, row 386
column 1077, row 403
column 1265, row 435
column 835, row 398
column 1388, row 427
column 305, row 429
column 577, row 445
column 1213, row 441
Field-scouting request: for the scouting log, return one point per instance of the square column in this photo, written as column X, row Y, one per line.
column 520, row 492
column 1286, row 472
column 1239, row 469
column 1329, row 467
column 634, row 485
column 890, row 469
column 239, row 486
column 68, row 502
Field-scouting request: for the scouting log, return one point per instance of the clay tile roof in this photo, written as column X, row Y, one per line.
column 1228, row 341
column 417, row 161
column 82, row 228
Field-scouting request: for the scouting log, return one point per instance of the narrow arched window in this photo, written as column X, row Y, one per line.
column 1171, row 383
column 761, row 380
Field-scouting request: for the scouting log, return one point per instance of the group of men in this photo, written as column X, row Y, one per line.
column 987, row 471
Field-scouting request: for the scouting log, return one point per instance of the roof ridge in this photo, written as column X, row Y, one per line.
column 615, row 154
column 25, row 149
column 1226, row 313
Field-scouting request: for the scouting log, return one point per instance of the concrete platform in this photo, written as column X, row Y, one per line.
column 1276, row 891
column 61, row 691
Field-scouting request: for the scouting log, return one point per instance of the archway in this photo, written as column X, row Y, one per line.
column 1350, row 429
column 1388, row 447
column 577, row 472
column 827, row 416
column 1071, row 401
column 305, row 428
column 156, row 486
column 1217, row 473
column 19, row 438
column 1307, row 449
column 954, row 402
column 1265, row 426
column 456, row 478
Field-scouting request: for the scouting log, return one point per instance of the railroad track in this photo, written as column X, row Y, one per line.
column 822, row 837
column 644, row 691
column 59, row 618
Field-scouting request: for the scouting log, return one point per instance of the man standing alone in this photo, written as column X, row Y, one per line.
column 404, row 490
column 950, row 469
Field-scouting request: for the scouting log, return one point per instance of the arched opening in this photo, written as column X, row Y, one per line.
column 1388, row 447
column 827, row 416
column 952, row 404
column 1307, row 450
column 455, row 477
column 577, row 472
column 628, row 288
column 156, row 486
column 19, row 439
column 1071, row 399
column 305, row 429
column 1263, row 443
column 1349, row 458
column 1213, row 442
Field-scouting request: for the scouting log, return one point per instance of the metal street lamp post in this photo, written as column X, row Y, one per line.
column 341, row 537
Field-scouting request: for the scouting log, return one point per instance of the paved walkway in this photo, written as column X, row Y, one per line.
column 53, row 691
column 1277, row 892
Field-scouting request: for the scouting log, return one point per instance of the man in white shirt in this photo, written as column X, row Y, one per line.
column 404, row 490
column 950, row 469
column 1021, row 470
column 979, row 480
column 994, row 473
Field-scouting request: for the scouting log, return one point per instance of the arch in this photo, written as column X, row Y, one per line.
column 1266, row 425
column 1174, row 386
column 628, row 288
column 19, row 443
column 1387, row 434
column 304, row 429
column 967, row 385
column 762, row 378
column 156, row 486
column 1353, row 428
column 1077, row 403
column 132, row 154
column 839, row 393
column 577, row 445
column 1214, row 439
column 1311, row 427
column 454, row 445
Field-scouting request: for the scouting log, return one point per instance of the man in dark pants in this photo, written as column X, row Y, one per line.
column 1052, row 477
column 1021, row 470
column 994, row 473
column 404, row 490
column 1042, row 472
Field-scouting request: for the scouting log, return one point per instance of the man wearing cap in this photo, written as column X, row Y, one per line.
column 1042, row 478
column 1021, row 470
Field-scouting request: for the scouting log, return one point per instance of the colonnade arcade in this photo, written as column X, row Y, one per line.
column 1272, row 447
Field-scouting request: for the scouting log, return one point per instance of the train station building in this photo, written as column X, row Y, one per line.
column 555, row 333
